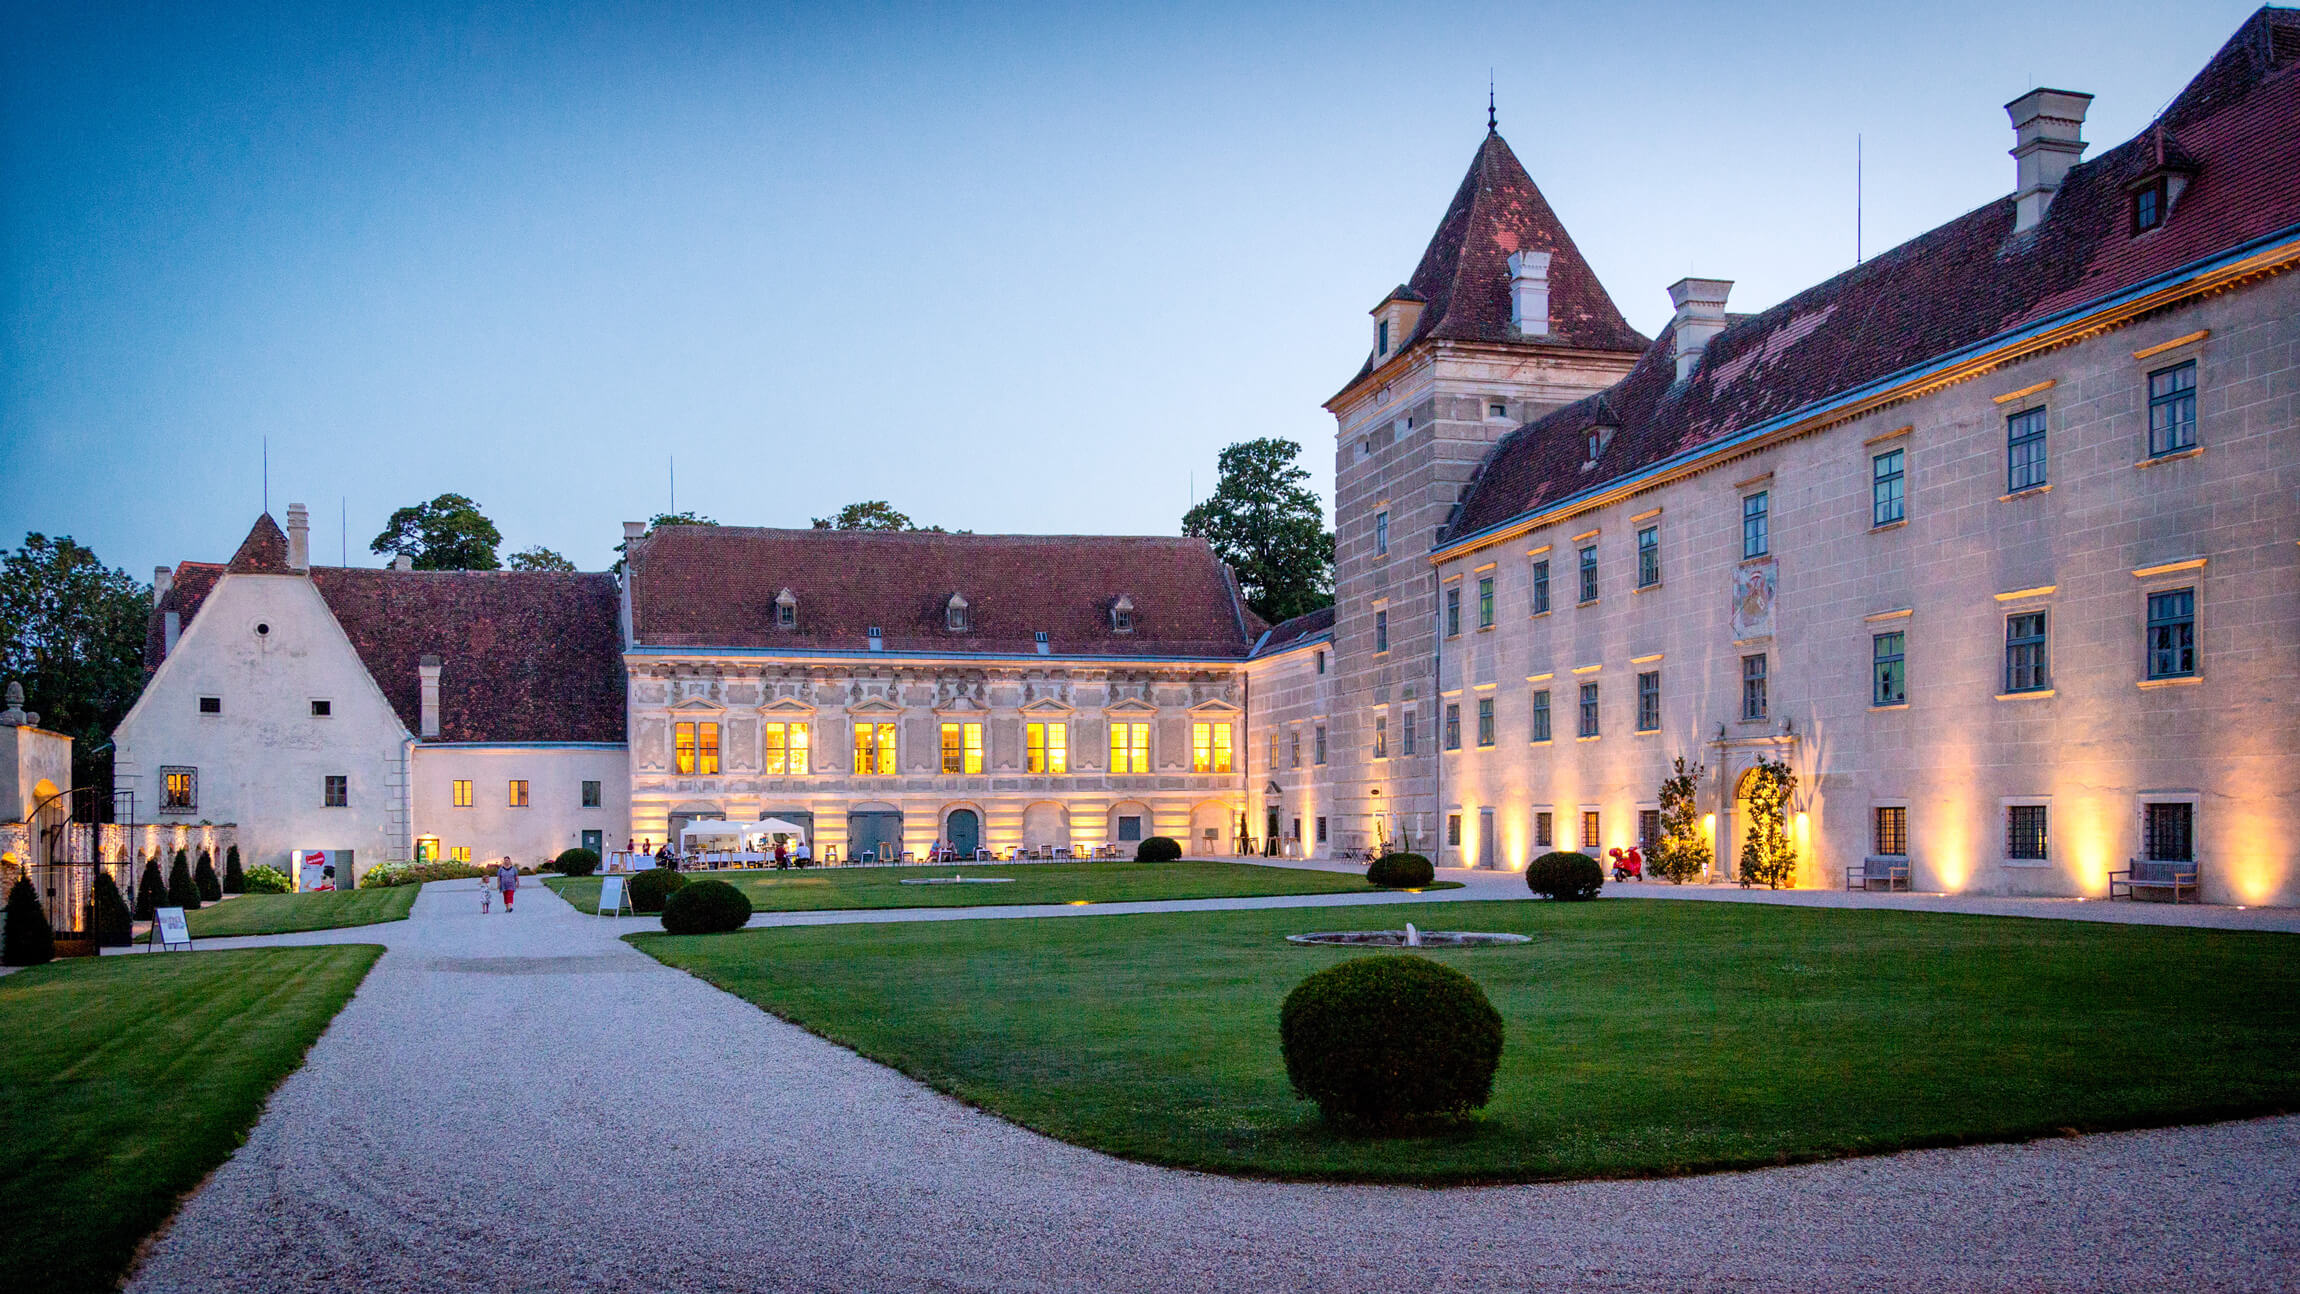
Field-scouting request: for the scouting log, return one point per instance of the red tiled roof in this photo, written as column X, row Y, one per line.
column 1970, row 280
column 264, row 551
column 715, row 586
column 1289, row 634
column 1464, row 273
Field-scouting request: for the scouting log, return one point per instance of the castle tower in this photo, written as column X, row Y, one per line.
column 1501, row 322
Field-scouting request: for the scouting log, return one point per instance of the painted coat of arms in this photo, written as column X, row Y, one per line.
column 1753, row 585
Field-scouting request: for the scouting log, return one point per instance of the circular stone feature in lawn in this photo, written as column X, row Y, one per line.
column 961, row 880
column 1410, row 938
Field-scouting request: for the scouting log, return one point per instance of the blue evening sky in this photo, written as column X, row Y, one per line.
column 1013, row 268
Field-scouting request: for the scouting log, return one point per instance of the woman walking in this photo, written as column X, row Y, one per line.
column 507, row 878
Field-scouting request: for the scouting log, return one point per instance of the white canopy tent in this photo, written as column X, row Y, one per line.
column 742, row 832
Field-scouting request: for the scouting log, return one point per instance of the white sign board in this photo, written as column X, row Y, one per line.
column 172, row 927
column 612, row 900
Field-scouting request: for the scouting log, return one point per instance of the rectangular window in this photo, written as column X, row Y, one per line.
column 1049, row 747
column 2025, row 832
column 1886, row 483
column 2027, row 662
column 211, row 705
column 1755, row 704
column 2172, row 409
column 1588, row 710
column 1318, row 741
column 789, row 749
column 459, row 853
column 590, row 795
column 1209, row 748
column 1485, row 602
column 690, row 741
column 2024, row 451
column 1453, row 726
column 1496, row 409
column 1590, row 838
column 517, row 798
column 1453, row 612
column 786, row 615
column 1321, row 828
column 1890, row 836
column 1321, row 662
column 1382, row 337
column 1541, row 714
column 1541, row 586
column 1648, row 829
column 322, row 709
column 461, row 789
column 1649, row 701
column 1381, row 532
column 2148, row 206
column 335, row 791
column 1381, row 737
column 962, row 748
column 707, row 748
column 1381, row 632
column 874, row 749
column 1756, row 524
column 1407, row 747
column 1273, row 752
column 1888, row 669
column 2172, row 634
column 1648, row 557
column 1295, row 742
column 1453, row 829
column 1129, row 747
column 179, row 790
column 2169, row 832
column 1485, row 721
column 1544, row 829
column 1130, row 827
column 1589, row 573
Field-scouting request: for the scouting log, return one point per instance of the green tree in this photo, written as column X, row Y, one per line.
column 1768, row 852
column 660, row 520
column 1683, row 850
column 875, row 514
column 29, row 941
column 447, row 534
column 1267, row 523
column 72, row 631
column 151, row 890
column 538, row 558
column 204, row 879
column 235, row 881
column 113, row 920
column 183, row 892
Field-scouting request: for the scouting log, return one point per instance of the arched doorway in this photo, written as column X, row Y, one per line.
column 963, row 829
column 1210, row 828
column 874, row 835
column 1046, row 825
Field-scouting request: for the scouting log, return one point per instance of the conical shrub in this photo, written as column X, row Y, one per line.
column 182, row 893
column 29, row 941
column 151, row 890
column 235, row 881
column 113, row 920
column 205, row 878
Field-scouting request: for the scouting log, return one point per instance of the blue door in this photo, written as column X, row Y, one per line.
column 965, row 832
column 878, row 835
column 596, row 842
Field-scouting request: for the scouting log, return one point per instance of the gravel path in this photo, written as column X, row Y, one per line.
column 524, row 1103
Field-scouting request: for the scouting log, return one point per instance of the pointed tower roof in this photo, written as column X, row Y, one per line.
column 1464, row 273
column 264, row 551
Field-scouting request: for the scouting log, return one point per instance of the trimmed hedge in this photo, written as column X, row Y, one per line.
column 204, row 879
column 1158, row 849
column 113, row 920
column 576, row 862
column 151, row 890
column 648, row 889
column 1389, row 1040
column 182, row 892
column 705, row 907
column 1401, row 872
column 235, row 880
column 29, row 941
column 1564, row 874
column 266, row 879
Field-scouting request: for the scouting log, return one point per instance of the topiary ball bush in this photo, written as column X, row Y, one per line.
column 705, row 908
column 1158, row 849
column 649, row 888
column 577, row 862
column 1401, row 872
column 1565, row 875
column 1389, row 1040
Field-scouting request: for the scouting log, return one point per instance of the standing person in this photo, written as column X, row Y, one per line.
column 507, row 879
column 486, row 892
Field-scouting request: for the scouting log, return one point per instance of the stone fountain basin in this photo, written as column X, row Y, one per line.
column 1397, row 939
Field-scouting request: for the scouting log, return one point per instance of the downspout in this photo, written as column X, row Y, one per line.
column 1437, row 703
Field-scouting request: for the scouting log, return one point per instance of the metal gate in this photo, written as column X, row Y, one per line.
column 67, row 855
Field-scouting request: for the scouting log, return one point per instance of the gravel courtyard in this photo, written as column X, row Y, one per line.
column 523, row 1102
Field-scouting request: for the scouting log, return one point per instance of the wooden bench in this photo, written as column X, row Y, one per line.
column 1892, row 873
column 2177, row 878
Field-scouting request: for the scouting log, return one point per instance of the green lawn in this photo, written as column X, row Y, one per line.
column 1643, row 1038
column 278, row 914
column 125, row 1080
column 822, row 889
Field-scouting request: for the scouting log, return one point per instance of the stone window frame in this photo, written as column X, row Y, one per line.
column 335, row 791
column 2008, row 820
column 459, row 793
column 1878, row 836
column 189, row 802
column 1649, row 701
column 1757, row 687
column 2146, row 799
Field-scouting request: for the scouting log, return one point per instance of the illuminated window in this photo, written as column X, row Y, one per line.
column 1273, row 752
column 2025, row 832
column 683, row 748
column 2172, row 409
column 335, row 791
column 1890, row 838
column 1129, row 747
column 1209, row 748
column 1589, row 832
column 962, row 748
column 1544, row 830
column 518, row 797
column 1381, row 737
column 1541, row 714
column 789, row 749
column 460, row 793
column 1050, row 747
column 1541, row 587
column 874, row 749
column 459, row 853
column 179, row 790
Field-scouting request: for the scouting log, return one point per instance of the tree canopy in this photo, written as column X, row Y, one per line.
column 875, row 514
column 447, row 534
column 72, row 631
column 1268, row 524
column 538, row 558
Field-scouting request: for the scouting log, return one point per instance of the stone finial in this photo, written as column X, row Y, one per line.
column 15, row 715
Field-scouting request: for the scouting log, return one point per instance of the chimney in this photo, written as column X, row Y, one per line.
column 429, row 667
column 171, row 628
column 299, row 538
column 1529, row 293
column 2046, row 124
column 403, row 562
column 1700, row 316
column 163, row 579
column 633, row 530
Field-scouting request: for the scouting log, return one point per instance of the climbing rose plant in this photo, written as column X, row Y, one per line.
column 1768, row 855
column 1683, row 850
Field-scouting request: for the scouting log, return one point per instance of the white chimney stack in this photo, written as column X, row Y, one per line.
column 299, row 538
column 1700, row 316
column 634, row 530
column 1529, row 293
column 429, row 667
column 403, row 562
column 163, row 579
column 2046, row 125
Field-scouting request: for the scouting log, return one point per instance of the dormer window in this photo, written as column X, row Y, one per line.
column 1382, row 337
column 786, row 610
column 1122, row 616
column 2149, row 204
column 955, row 614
